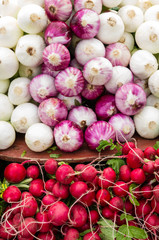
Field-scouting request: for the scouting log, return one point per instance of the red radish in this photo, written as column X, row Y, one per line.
column 149, row 167
column 103, row 197
column 157, row 152
column 10, row 172
column 89, row 173
column 51, row 166
column 28, row 206
column 93, row 216
column 155, row 206
column 146, row 191
column 60, row 190
column 88, row 198
column 77, row 189
column 156, row 164
column 15, row 208
column 120, row 222
column 129, row 207
column 156, row 192
column 11, row 194
column 143, row 209
column 137, row 192
column 7, row 230
column 33, row 172
column 17, row 219
column 65, row 174
column 138, row 176
column 21, row 238
column 43, row 221
column 151, row 222
column 48, row 200
column 135, row 158
column 28, row 227
column 84, row 227
column 36, row 187
column 46, row 236
column 107, row 178
column 125, row 173
column 78, row 215
column 71, row 234
column 108, row 213
column 120, row 189
column 150, row 153
column 127, row 147
column 49, row 184
column 25, row 194
column 58, row 213
column 91, row 236
column 116, row 204
column 78, row 168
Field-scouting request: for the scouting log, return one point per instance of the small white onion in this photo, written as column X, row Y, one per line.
column 6, row 107
column 147, row 122
column 128, row 40
column 22, row 3
column 9, row 8
column 144, row 84
column 18, row 91
column 39, row 137
column 111, row 3
column 153, row 83
column 152, row 101
column 128, row 2
column 7, row 136
column 152, row 13
column 23, row 116
column 154, row 2
column 29, row 72
column 144, row 4
column 70, row 102
column 4, row 85
column 95, row 5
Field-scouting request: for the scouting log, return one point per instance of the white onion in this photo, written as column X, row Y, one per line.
column 6, row 107
column 7, row 136
column 128, row 2
column 147, row 122
column 152, row 13
column 22, row 3
column 144, row 4
column 95, row 5
column 70, row 102
column 153, row 83
column 144, row 84
column 29, row 72
column 128, row 40
column 4, row 85
column 152, row 101
column 9, row 8
column 111, row 3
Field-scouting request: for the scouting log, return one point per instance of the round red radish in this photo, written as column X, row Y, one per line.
column 65, row 174
column 88, row 198
column 17, row 219
column 48, row 200
column 107, row 178
column 116, row 204
column 46, row 236
column 58, row 213
column 26, row 194
column 149, row 167
column 138, row 176
column 12, row 194
column 121, row 189
column 137, row 192
column 156, row 192
column 127, row 147
column 134, row 158
column 28, row 227
column 143, row 209
column 129, row 207
column 43, row 221
column 108, row 213
column 77, row 189
column 60, row 190
column 72, row 234
column 103, row 197
column 7, row 230
column 91, row 236
column 15, row 173
column 15, row 208
column 150, row 153
column 156, row 164
column 22, row 238
column 51, row 166
column 36, row 187
column 125, row 173
column 49, row 184
column 78, row 215
column 33, row 172
column 146, row 191
column 155, row 206
column 28, row 206
column 93, row 216
column 151, row 221
column 88, row 173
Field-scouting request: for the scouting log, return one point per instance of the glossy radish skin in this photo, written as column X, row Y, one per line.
column 91, row 236
column 107, row 213
column 77, row 189
column 28, row 227
column 125, row 173
column 60, row 190
column 28, row 206
column 71, row 234
column 134, row 158
column 127, row 147
column 88, row 173
column 149, row 167
column 43, row 221
column 103, row 197
column 33, row 172
column 78, row 215
column 49, row 184
column 138, row 176
column 36, row 187
column 51, row 166
column 65, row 174
column 107, row 178
column 156, row 192
column 58, row 213
column 150, row 153
column 11, row 194
column 10, row 173
column 116, row 204
column 121, row 189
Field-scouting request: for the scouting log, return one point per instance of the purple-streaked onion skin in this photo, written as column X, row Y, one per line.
column 51, row 111
column 118, row 54
column 144, row 84
column 85, row 23
column 97, row 131
column 42, row 87
column 68, row 136
column 95, row 5
column 70, row 102
column 75, row 64
column 83, row 116
column 130, row 99
column 58, row 10
column 46, row 70
column 98, row 71
column 57, row 32
column 105, row 107
column 120, row 76
column 69, row 82
column 92, row 92
column 123, row 125
column 56, row 56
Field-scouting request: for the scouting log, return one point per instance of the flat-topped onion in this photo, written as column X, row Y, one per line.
column 7, row 136
column 9, row 8
column 128, row 40
column 4, row 85
column 6, row 107
column 70, row 102
column 91, row 91
column 95, row 5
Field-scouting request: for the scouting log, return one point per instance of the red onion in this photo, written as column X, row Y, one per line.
column 85, row 23
column 130, row 99
column 83, row 116
column 51, row 111
column 121, row 75
column 144, row 84
column 98, row 71
column 56, row 56
column 42, row 87
column 97, row 131
column 92, row 92
column 59, row 10
column 123, row 125
column 95, row 5
column 46, row 70
column 57, row 32
column 118, row 54
column 68, row 136
column 69, row 82
column 105, row 107
column 70, row 102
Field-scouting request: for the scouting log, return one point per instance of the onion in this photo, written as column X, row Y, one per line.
column 128, row 2
column 147, row 122
column 7, row 136
column 52, row 110
column 83, row 116
column 75, row 64
column 6, row 107
column 4, row 85
column 9, row 8
column 118, row 54
column 92, row 92
column 46, row 70
column 111, row 3
column 22, row 3
column 130, row 99
column 28, row 72
column 152, row 13
column 120, row 76
column 153, row 101
column 71, row 102
column 97, row 131
column 57, row 32
column 85, row 23
column 89, row 48
column 105, row 107
column 56, row 56
column 154, row 84
column 123, row 125
column 128, row 40
column 68, row 136
column 69, row 82
column 144, row 84
column 58, row 10
column 98, row 71
column 95, row 5
column 144, row 4
column 42, row 87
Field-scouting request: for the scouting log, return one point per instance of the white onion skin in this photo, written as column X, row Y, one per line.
column 153, row 83
column 152, row 101
column 22, row 3
column 128, row 40
column 70, row 102
column 111, row 3
column 28, row 72
column 6, row 108
column 147, row 122
column 68, row 136
column 9, row 8
column 92, row 92
column 97, row 131
column 152, row 13
column 8, row 135
column 123, row 126
column 144, row 84
column 4, row 85
column 128, row 2
column 95, row 5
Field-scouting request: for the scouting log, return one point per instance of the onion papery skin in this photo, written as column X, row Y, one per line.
column 56, row 56
column 95, row 5
column 130, row 99
column 70, row 102
column 70, row 82
column 105, row 107
column 57, row 32
column 85, row 23
column 58, row 10
column 68, row 136
column 46, row 70
column 92, row 92
column 83, row 116
column 97, row 131
column 51, row 111
column 123, row 126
